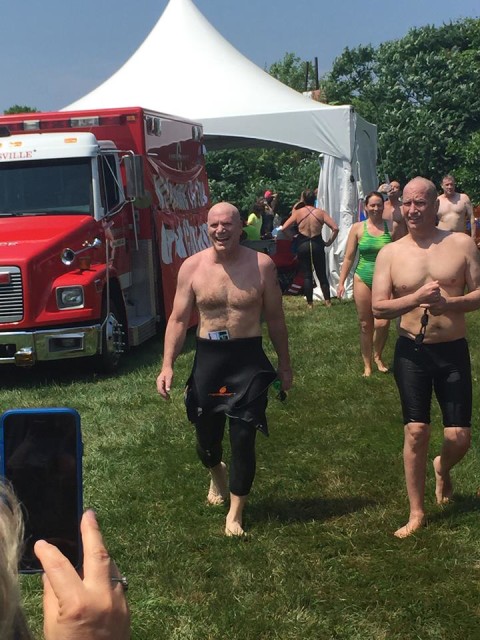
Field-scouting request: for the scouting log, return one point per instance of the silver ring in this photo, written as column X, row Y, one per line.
column 122, row 580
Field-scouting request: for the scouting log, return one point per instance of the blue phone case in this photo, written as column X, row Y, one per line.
column 46, row 461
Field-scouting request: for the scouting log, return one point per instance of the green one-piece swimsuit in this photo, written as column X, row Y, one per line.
column 368, row 248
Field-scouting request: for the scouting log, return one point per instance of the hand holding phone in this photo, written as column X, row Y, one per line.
column 92, row 608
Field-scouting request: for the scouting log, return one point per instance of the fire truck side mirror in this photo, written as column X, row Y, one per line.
column 135, row 187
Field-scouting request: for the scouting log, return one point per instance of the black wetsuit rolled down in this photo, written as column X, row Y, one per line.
column 230, row 378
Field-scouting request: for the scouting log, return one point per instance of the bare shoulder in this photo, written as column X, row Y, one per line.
column 357, row 228
column 196, row 260
column 395, row 249
column 460, row 241
column 250, row 258
column 265, row 265
column 264, row 261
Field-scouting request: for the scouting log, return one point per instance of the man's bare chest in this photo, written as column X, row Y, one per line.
column 215, row 289
column 427, row 266
column 448, row 206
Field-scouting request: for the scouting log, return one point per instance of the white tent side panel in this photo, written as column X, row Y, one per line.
column 341, row 189
column 324, row 131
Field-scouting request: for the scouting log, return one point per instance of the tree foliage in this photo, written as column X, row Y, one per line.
column 422, row 92
column 292, row 71
column 241, row 176
column 17, row 108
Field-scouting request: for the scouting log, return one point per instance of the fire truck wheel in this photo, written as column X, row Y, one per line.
column 112, row 340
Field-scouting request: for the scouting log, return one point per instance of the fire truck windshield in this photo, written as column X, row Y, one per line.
column 54, row 186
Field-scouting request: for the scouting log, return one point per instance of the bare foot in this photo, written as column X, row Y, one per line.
column 218, row 491
column 367, row 373
column 328, row 303
column 234, row 528
column 412, row 525
column 381, row 366
column 443, row 483
column 310, row 305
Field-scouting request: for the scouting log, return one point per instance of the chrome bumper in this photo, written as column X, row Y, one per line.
column 25, row 348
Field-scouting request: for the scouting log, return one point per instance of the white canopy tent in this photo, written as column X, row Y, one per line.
column 185, row 67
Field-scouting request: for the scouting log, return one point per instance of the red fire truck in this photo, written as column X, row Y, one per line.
column 98, row 209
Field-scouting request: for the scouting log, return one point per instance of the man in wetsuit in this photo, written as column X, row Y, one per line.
column 421, row 279
column 232, row 287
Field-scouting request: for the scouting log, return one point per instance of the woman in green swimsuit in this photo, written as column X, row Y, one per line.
column 368, row 236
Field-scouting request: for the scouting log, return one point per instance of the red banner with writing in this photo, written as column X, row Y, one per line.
column 179, row 235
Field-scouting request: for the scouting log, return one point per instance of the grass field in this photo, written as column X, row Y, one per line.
column 320, row 561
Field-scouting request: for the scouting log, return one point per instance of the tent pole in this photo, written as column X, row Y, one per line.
column 307, row 68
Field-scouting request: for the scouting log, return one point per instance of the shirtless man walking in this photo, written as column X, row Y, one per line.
column 232, row 287
column 454, row 209
column 422, row 278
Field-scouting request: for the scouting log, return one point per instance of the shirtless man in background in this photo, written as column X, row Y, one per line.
column 454, row 209
column 421, row 279
column 392, row 209
column 232, row 287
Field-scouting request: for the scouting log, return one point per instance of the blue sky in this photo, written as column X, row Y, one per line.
column 55, row 51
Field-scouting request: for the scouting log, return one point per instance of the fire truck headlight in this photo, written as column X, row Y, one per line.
column 70, row 297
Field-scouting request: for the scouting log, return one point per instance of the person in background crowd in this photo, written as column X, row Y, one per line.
column 368, row 236
column 392, row 208
column 255, row 221
column 310, row 244
column 248, row 231
column 270, row 201
column 455, row 210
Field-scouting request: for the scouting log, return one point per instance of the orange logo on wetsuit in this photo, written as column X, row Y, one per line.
column 222, row 392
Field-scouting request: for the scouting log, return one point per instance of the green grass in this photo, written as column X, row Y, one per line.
column 320, row 561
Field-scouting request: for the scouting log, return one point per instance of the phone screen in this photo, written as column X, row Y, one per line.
column 42, row 454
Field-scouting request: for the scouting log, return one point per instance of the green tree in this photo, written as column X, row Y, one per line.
column 241, row 176
column 17, row 108
column 292, row 71
column 421, row 91
column 468, row 175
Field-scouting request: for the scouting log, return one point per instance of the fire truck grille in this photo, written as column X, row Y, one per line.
column 11, row 294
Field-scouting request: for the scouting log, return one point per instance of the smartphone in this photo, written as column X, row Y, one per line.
column 41, row 456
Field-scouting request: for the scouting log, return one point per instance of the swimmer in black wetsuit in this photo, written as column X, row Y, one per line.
column 422, row 279
column 232, row 287
column 310, row 244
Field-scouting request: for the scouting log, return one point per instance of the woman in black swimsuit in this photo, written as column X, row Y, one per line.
column 310, row 244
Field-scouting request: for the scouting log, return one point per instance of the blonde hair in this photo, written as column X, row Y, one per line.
column 12, row 621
